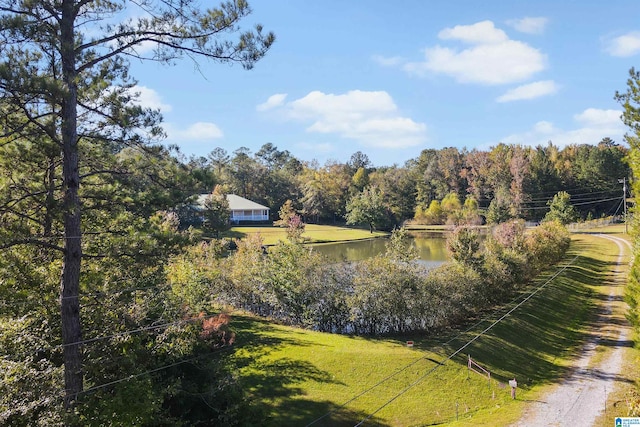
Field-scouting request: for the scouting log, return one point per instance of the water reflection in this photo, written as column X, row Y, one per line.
column 432, row 251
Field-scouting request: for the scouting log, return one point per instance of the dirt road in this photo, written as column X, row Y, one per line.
column 581, row 397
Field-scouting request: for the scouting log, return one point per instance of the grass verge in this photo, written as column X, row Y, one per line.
column 294, row 377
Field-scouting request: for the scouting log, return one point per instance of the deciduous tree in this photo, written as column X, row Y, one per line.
column 290, row 220
column 368, row 208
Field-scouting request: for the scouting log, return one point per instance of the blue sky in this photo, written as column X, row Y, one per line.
column 393, row 78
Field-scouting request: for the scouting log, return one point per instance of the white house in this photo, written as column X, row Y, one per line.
column 241, row 209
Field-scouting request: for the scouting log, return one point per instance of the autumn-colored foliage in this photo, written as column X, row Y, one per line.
column 216, row 329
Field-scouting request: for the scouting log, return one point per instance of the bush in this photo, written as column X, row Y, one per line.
column 386, row 294
column 547, row 244
column 455, row 292
column 463, row 245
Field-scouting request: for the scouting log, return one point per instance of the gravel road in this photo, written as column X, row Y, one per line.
column 581, row 397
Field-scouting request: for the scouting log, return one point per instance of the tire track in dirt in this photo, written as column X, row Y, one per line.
column 581, row 397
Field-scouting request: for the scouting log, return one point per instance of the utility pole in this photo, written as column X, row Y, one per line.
column 623, row 181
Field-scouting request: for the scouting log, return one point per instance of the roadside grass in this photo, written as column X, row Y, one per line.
column 295, row 377
column 616, row 404
column 627, row 382
column 313, row 233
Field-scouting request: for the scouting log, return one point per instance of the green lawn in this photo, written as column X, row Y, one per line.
column 313, row 233
column 295, row 376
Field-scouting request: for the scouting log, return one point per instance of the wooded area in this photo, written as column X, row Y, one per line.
column 106, row 311
column 448, row 185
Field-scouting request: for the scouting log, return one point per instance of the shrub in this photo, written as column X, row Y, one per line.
column 547, row 244
column 454, row 292
column 463, row 245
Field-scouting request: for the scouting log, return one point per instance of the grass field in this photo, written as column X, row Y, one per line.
column 313, row 233
column 296, row 377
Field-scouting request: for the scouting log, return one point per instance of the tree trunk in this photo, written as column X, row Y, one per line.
column 70, row 281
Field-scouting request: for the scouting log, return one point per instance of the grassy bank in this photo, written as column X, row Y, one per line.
column 295, row 377
column 313, row 233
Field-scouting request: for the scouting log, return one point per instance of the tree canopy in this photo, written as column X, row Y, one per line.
column 561, row 209
column 66, row 92
column 368, row 208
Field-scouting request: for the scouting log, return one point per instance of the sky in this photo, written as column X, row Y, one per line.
column 390, row 79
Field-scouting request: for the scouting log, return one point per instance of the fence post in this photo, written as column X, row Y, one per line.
column 513, row 384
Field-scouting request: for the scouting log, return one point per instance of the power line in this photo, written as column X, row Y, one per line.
column 151, row 371
column 92, row 294
column 120, row 334
column 596, row 201
column 587, row 190
column 118, row 291
column 574, row 204
column 538, row 198
column 592, row 193
column 452, row 355
column 382, row 381
column 135, row 331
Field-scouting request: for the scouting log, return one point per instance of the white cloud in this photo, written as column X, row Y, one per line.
column 272, row 102
column 370, row 118
column 593, row 124
column 149, row 98
column 199, row 131
column 625, row 45
column 492, row 59
column 479, row 33
column 529, row 91
column 387, row 61
column 544, row 127
column 143, row 48
column 529, row 25
column 597, row 117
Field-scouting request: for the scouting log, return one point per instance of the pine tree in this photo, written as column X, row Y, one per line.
column 64, row 84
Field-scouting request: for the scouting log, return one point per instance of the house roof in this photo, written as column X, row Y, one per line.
column 236, row 203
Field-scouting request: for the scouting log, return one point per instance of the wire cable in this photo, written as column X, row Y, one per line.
column 382, row 381
column 151, row 371
column 573, row 196
column 452, row 355
column 573, row 204
column 458, row 335
column 135, row 331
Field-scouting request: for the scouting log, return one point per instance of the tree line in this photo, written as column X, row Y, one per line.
column 449, row 185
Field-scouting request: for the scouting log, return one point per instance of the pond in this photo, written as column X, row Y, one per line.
column 432, row 251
